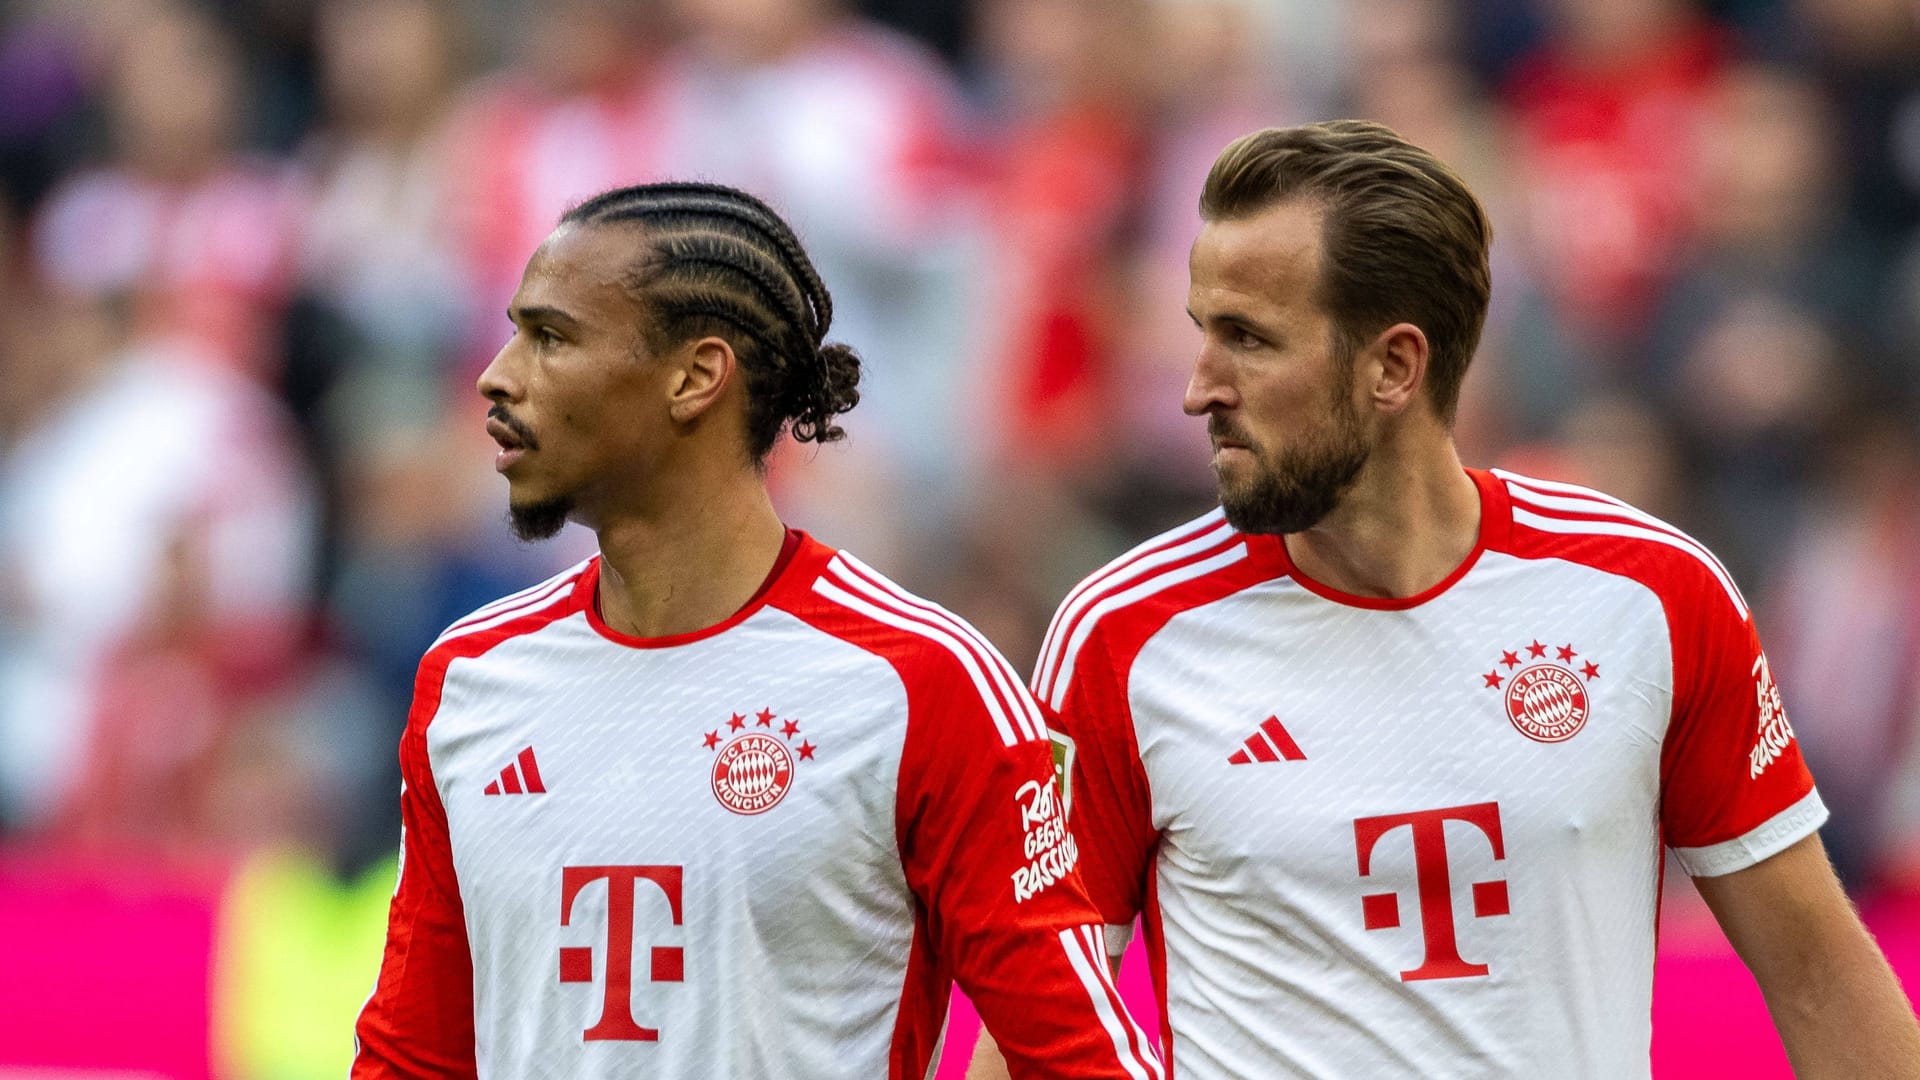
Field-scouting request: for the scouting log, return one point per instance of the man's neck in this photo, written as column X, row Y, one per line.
column 679, row 572
column 1410, row 519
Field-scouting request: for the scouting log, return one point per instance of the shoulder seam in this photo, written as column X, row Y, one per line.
column 1169, row 546
column 1203, row 555
column 521, row 599
column 1567, row 509
column 560, row 594
column 853, row 585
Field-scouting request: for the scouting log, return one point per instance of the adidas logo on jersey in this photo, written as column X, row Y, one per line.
column 521, row 776
column 1269, row 743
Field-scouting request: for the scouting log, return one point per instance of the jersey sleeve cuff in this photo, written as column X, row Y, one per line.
column 1771, row 837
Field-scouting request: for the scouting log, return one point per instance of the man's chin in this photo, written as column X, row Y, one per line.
column 540, row 520
column 1264, row 511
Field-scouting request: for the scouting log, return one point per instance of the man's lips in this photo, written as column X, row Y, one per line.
column 1226, row 440
column 514, row 439
column 1224, row 437
column 505, row 435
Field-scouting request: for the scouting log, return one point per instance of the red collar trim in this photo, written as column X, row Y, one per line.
column 1495, row 524
column 589, row 592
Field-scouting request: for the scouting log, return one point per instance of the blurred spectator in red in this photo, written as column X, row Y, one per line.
column 853, row 132
column 199, row 236
column 1609, row 112
column 1069, row 85
column 154, row 537
column 1067, row 126
column 572, row 115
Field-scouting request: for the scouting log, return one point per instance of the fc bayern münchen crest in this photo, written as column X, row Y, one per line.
column 753, row 768
column 1546, row 698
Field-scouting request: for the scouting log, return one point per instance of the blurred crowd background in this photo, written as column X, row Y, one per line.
column 253, row 254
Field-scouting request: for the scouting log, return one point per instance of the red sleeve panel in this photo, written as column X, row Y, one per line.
column 1081, row 679
column 984, row 845
column 1734, row 789
column 419, row 1021
column 1105, row 787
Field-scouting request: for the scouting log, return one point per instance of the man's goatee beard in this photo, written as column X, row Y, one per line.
column 539, row 520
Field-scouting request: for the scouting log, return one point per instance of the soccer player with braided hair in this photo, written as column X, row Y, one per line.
column 721, row 800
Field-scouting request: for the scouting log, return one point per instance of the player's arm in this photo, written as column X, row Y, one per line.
column 987, row 851
column 1838, row 1007
column 1104, row 794
column 419, row 1020
column 1739, row 808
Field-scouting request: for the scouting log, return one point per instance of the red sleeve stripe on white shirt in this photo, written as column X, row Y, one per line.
column 1193, row 537
column 1005, row 679
column 1542, row 505
column 524, row 600
column 1052, row 685
column 524, row 596
column 879, row 607
column 1580, row 500
column 560, row 594
column 1130, row 1044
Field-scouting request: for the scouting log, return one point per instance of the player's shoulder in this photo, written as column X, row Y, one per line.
column 1123, row 602
column 516, row 612
column 936, row 654
column 857, row 603
column 1552, row 519
column 474, row 635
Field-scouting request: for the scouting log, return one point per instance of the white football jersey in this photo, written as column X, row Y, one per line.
column 1417, row 837
column 764, row 849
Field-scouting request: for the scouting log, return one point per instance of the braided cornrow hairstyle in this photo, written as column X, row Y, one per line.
column 719, row 261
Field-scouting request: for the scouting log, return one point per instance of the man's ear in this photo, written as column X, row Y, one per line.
column 1400, row 367
column 702, row 371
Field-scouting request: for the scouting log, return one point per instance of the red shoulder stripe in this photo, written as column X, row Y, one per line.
column 1201, row 557
column 1006, row 682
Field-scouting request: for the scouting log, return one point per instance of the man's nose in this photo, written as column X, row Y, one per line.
column 1207, row 387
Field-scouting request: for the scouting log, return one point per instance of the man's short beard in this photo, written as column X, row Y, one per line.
column 1300, row 490
column 1296, row 492
column 539, row 520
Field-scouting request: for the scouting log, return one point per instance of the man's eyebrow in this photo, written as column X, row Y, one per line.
column 1234, row 319
column 540, row 313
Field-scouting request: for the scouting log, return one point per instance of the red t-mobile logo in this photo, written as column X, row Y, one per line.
column 1434, row 884
column 576, row 963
